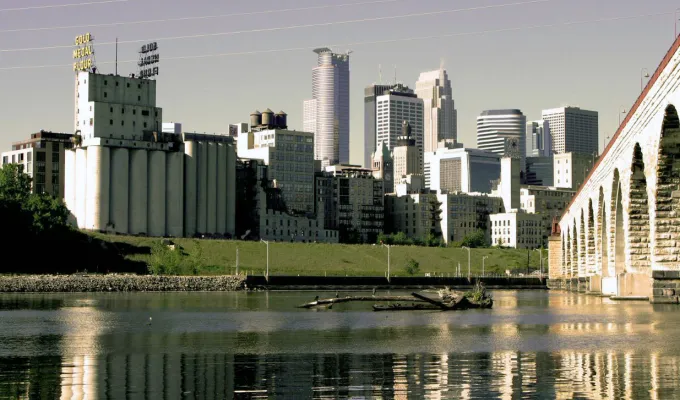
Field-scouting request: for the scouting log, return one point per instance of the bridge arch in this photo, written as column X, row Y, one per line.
column 668, row 184
column 617, row 235
column 638, row 215
column 602, row 244
column 591, row 268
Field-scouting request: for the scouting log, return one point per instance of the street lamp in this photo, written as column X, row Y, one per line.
column 643, row 74
column 388, row 260
column 622, row 110
column 483, row 260
column 468, row 249
column 541, row 256
column 267, row 243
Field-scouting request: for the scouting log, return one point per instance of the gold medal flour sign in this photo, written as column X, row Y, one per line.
column 83, row 53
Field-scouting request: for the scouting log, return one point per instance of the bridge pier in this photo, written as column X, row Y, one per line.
column 634, row 285
column 666, row 287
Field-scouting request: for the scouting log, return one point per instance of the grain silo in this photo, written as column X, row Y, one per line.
column 81, row 186
column 190, row 156
column 139, row 166
column 211, row 166
column 231, row 188
column 120, row 189
column 156, row 196
column 202, row 192
column 98, row 188
column 70, row 180
column 174, row 194
column 221, row 223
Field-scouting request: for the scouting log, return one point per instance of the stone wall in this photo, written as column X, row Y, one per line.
column 666, row 289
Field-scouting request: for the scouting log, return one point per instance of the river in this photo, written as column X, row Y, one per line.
column 532, row 344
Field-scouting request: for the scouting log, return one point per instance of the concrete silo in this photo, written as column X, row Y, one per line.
column 156, row 196
column 231, row 189
column 211, row 215
column 138, row 191
column 81, row 186
column 190, row 153
column 221, row 224
column 174, row 194
column 98, row 188
column 120, row 189
column 202, row 191
column 70, row 180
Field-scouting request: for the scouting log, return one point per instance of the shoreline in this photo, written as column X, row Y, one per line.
column 85, row 283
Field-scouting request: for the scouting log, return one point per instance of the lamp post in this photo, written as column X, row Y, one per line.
column 267, row 273
column 483, row 261
column 540, row 250
column 468, row 249
column 643, row 74
column 622, row 110
column 388, row 260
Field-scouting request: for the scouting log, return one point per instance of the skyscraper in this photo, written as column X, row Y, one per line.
column 538, row 139
column 573, row 130
column 329, row 107
column 395, row 107
column 370, row 117
column 502, row 132
column 440, row 120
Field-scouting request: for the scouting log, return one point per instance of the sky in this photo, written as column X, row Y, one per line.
column 245, row 55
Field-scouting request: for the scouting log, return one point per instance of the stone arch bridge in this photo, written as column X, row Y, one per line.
column 621, row 233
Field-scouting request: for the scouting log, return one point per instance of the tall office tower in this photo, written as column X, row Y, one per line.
column 539, row 141
column 395, row 107
column 329, row 108
column 440, row 119
column 502, row 132
column 573, row 130
column 371, row 93
column 406, row 155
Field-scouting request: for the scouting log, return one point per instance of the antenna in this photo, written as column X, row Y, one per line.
column 116, row 56
column 380, row 73
column 395, row 74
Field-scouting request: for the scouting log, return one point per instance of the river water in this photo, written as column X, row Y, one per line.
column 532, row 344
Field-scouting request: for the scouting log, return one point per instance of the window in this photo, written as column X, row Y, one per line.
column 122, row 123
column 105, row 95
column 139, row 98
column 145, row 124
column 110, row 122
column 91, row 121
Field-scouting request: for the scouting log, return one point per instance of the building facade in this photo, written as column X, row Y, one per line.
column 351, row 201
column 289, row 156
column 383, row 167
column 503, row 132
column 461, row 170
column 466, row 213
column 329, row 109
column 538, row 139
column 440, row 119
column 573, row 130
column 371, row 94
column 406, row 156
column 517, row 229
column 571, row 169
column 415, row 214
column 393, row 109
column 539, row 171
column 42, row 158
column 548, row 202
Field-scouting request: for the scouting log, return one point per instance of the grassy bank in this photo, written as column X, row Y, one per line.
column 216, row 257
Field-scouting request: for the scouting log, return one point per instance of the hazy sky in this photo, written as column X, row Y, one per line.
column 594, row 65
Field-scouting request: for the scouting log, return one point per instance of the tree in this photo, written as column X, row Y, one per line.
column 412, row 267
column 475, row 239
column 15, row 185
column 49, row 214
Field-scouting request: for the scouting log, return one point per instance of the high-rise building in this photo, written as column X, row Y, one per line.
column 572, row 130
column 539, row 143
column 42, row 158
column 328, row 111
column 502, row 132
column 371, row 94
column 395, row 107
column 461, row 170
column 406, row 156
column 440, row 120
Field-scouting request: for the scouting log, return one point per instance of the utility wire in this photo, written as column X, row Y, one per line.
column 374, row 19
column 449, row 35
column 89, row 3
column 241, row 14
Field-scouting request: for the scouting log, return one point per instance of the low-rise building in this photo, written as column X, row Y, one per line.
column 351, row 200
column 461, row 170
column 418, row 215
column 517, row 229
column 572, row 169
column 42, row 158
column 547, row 201
column 466, row 213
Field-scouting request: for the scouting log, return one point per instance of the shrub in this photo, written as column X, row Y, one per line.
column 412, row 267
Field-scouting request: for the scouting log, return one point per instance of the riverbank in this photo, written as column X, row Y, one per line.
column 119, row 283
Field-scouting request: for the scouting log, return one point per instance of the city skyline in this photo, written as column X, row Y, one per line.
column 197, row 93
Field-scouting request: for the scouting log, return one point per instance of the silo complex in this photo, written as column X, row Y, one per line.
column 120, row 189
column 126, row 177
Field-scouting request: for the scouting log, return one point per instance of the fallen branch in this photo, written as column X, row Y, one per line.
column 325, row 302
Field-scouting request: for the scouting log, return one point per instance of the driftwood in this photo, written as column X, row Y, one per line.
column 404, row 307
column 326, row 302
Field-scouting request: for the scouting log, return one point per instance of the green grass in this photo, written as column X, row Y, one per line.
column 219, row 257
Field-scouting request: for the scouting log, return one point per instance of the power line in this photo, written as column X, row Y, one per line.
column 242, row 14
column 316, row 25
column 61, row 5
column 385, row 41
